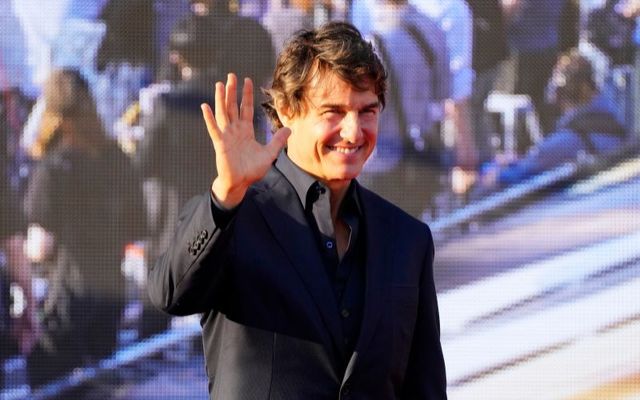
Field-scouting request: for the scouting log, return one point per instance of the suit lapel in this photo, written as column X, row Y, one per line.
column 280, row 207
column 379, row 249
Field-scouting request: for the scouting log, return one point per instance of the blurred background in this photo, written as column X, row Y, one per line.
column 510, row 128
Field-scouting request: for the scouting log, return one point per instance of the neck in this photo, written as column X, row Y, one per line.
column 338, row 192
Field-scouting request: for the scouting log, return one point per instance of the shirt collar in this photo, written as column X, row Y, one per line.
column 302, row 182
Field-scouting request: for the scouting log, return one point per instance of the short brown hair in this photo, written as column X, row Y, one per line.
column 336, row 47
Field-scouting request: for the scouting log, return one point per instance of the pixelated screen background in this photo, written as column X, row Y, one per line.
column 538, row 273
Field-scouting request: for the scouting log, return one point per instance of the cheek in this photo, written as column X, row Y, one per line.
column 371, row 131
column 325, row 132
column 369, row 124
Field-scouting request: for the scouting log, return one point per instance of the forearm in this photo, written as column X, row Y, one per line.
column 186, row 278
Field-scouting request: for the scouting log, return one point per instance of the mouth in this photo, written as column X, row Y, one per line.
column 344, row 150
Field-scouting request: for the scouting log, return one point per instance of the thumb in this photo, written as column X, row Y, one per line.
column 278, row 141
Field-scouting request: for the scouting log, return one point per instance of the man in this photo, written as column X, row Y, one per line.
column 310, row 285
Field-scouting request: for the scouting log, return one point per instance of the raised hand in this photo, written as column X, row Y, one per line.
column 240, row 159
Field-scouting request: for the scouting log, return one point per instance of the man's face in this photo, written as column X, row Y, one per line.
column 333, row 137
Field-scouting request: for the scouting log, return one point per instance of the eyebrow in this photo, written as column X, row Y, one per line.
column 331, row 106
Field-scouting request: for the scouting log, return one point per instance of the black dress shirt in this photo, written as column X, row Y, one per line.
column 347, row 276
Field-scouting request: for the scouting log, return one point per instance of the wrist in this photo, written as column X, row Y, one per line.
column 226, row 196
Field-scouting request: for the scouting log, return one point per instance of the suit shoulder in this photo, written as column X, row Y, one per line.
column 395, row 215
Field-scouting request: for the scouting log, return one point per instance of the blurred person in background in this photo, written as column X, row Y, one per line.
column 612, row 33
column 489, row 50
column 129, row 34
column 534, row 37
column 609, row 29
column 235, row 43
column 569, row 25
column 285, row 17
column 587, row 128
column 18, row 333
column 455, row 19
column 631, row 9
column 126, row 56
column 405, row 165
column 83, row 204
column 203, row 47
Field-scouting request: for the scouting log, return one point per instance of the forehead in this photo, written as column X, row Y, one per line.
column 327, row 86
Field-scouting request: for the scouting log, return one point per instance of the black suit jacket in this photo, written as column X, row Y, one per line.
column 271, row 326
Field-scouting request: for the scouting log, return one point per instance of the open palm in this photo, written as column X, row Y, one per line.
column 240, row 159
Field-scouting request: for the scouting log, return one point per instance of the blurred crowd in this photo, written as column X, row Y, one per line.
column 102, row 140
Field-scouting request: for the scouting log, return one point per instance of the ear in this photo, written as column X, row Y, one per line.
column 283, row 114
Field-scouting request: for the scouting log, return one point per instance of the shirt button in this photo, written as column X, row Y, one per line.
column 345, row 313
column 329, row 244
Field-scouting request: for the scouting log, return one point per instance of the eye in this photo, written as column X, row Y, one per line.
column 332, row 115
column 369, row 111
column 331, row 112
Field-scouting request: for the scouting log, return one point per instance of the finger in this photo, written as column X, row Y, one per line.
column 210, row 121
column 220, row 107
column 278, row 141
column 246, row 107
column 232, row 97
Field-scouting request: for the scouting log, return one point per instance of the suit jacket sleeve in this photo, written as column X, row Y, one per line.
column 187, row 278
column 425, row 377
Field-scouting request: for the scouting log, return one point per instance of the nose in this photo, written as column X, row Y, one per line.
column 351, row 127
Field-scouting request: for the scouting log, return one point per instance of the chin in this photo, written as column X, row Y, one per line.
column 347, row 174
column 342, row 171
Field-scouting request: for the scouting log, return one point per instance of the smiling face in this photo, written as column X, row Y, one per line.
column 336, row 132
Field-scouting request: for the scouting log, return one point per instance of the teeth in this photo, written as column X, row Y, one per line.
column 344, row 150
